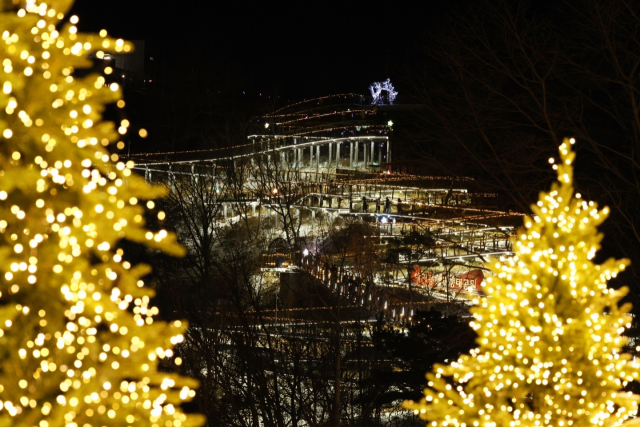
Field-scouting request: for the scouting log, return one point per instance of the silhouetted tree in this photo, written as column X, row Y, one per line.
column 503, row 82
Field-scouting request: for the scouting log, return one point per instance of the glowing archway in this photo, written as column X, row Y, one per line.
column 382, row 93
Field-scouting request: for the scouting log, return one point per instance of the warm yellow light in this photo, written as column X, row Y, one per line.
column 544, row 338
column 66, row 288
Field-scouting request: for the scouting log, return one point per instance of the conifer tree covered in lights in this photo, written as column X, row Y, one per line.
column 549, row 331
column 78, row 341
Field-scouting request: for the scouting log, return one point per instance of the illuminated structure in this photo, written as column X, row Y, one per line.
column 382, row 93
column 80, row 341
column 332, row 132
column 320, row 158
column 550, row 335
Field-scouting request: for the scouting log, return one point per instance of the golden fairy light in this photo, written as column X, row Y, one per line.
column 549, row 333
column 80, row 344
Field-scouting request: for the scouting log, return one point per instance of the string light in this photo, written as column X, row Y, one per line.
column 320, row 100
column 80, row 339
column 315, row 116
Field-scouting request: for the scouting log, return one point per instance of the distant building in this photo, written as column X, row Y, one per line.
column 128, row 68
column 131, row 63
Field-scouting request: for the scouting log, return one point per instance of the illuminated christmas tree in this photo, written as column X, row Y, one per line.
column 549, row 331
column 78, row 341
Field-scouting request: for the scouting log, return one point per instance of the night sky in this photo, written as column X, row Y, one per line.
column 299, row 49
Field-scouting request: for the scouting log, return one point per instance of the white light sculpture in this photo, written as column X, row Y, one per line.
column 376, row 92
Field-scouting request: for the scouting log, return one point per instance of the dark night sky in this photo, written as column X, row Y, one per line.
column 297, row 48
